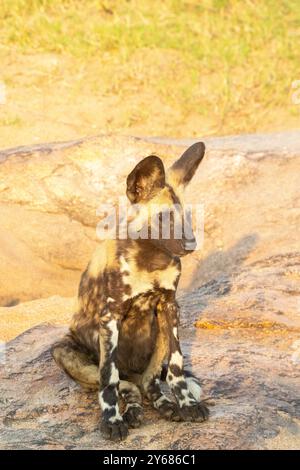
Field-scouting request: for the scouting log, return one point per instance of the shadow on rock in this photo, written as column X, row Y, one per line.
column 223, row 267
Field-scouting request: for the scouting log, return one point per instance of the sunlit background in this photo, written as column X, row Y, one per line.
column 146, row 67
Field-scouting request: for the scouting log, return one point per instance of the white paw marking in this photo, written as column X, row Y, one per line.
column 105, row 406
column 188, row 400
column 177, row 359
column 194, row 388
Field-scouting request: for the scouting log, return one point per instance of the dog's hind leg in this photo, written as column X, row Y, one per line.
column 81, row 367
column 77, row 362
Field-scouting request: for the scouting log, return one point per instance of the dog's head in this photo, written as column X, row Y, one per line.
column 158, row 196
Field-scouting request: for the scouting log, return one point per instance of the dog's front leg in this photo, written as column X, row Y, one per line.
column 112, row 424
column 185, row 388
column 151, row 377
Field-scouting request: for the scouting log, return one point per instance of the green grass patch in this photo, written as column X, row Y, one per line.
column 238, row 57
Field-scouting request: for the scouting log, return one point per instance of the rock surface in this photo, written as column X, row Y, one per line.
column 250, row 375
column 49, row 195
column 239, row 295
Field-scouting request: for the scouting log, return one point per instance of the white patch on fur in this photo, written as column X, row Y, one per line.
column 117, row 417
column 174, row 380
column 188, row 399
column 175, row 332
column 114, row 374
column 124, row 266
column 126, row 297
column 168, row 277
column 113, row 327
column 194, row 387
column 177, row 359
column 110, row 299
column 142, row 281
column 105, row 406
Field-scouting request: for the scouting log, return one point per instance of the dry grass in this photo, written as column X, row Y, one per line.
column 177, row 68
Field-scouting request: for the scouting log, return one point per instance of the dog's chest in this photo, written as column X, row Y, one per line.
column 139, row 281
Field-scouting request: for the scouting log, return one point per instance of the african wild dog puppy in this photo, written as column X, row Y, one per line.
column 126, row 325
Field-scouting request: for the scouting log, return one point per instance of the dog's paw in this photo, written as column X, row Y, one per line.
column 133, row 415
column 196, row 411
column 169, row 410
column 116, row 431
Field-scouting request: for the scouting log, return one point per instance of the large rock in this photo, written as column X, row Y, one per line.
column 239, row 295
column 49, row 195
column 18, row 318
column 251, row 375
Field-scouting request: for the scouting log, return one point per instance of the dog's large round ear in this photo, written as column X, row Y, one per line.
column 146, row 179
column 182, row 171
